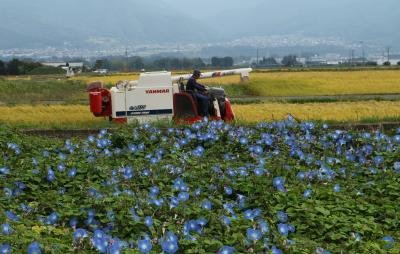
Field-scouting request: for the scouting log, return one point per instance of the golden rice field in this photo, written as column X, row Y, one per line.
column 107, row 79
column 340, row 111
column 78, row 116
column 325, row 83
column 295, row 83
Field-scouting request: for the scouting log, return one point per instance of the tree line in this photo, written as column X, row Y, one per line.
column 19, row 67
column 137, row 63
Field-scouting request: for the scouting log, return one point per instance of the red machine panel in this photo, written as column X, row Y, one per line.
column 96, row 102
column 99, row 99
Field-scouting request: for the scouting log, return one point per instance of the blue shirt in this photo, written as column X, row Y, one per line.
column 193, row 85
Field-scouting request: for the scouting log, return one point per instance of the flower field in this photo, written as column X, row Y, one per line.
column 282, row 187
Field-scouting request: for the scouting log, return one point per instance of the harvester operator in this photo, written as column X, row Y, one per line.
column 200, row 92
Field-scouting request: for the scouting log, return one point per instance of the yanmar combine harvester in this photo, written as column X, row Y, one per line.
column 159, row 95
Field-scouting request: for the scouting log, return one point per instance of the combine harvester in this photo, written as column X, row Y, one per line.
column 159, row 95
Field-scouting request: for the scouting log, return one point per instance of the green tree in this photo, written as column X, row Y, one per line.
column 135, row 63
column 387, row 63
column 14, row 67
column 215, row 62
column 290, row 61
column 2, row 68
column 222, row 62
column 227, row 61
column 268, row 61
column 398, row 63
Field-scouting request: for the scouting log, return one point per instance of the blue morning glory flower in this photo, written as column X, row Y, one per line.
column 248, row 214
column 11, row 216
column 53, row 218
column 148, row 221
column 145, row 245
column 170, row 236
column 282, row 216
column 50, row 175
column 135, row 217
column 226, row 220
column 115, row 249
column 80, row 234
column 291, row 228
column 396, row 165
column 336, row 188
column 275, row 250
column 100, row 244
column 174, row 202
column 283, row 229
column 183, row 196
column 4, row 171
column 61, row 167
column 34, row 248
column 7, row 192
column 98, row 233
column 259, row 171
column 73, row 222
column 6, row 229
column 206, row 205
column 228, row 190
column 72, row 172
column 263, row 226
column 253, row 234
column 243, row 141
column 192, row 226
column 5, row 249
column 389, row 240
column 357, row 237
column 226, row 250
column 278, row 181
column 307, row 193
column 169, row 247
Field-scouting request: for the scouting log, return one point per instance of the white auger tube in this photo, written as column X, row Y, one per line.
column 244, row 74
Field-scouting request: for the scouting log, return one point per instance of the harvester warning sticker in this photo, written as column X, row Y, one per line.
column 146, row 112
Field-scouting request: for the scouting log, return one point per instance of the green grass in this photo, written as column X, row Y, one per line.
column 30, row 91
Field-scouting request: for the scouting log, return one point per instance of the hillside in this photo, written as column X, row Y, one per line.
column 93, row 23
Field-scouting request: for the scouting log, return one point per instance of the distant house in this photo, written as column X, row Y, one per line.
column 70, row 67
column 101, row 71
column 393, row 61
column 76, row 66
column 316, row 61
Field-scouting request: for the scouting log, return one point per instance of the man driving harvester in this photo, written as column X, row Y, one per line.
column 200, row 92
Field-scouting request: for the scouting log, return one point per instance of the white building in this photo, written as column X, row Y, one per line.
column 73, row 65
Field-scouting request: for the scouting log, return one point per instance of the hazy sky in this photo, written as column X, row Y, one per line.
column 188, row 20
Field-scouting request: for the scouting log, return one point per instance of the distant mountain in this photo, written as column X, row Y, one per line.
column 353, row 20
column 94, row 22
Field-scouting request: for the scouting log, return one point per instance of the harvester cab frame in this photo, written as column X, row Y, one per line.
column 159, row 95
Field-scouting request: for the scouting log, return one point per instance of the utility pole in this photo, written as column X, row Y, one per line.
column 388, row 54
column 363, row 52
column 126, row 60
column 257, row 57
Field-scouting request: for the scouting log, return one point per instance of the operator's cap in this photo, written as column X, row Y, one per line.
column 197, row 73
